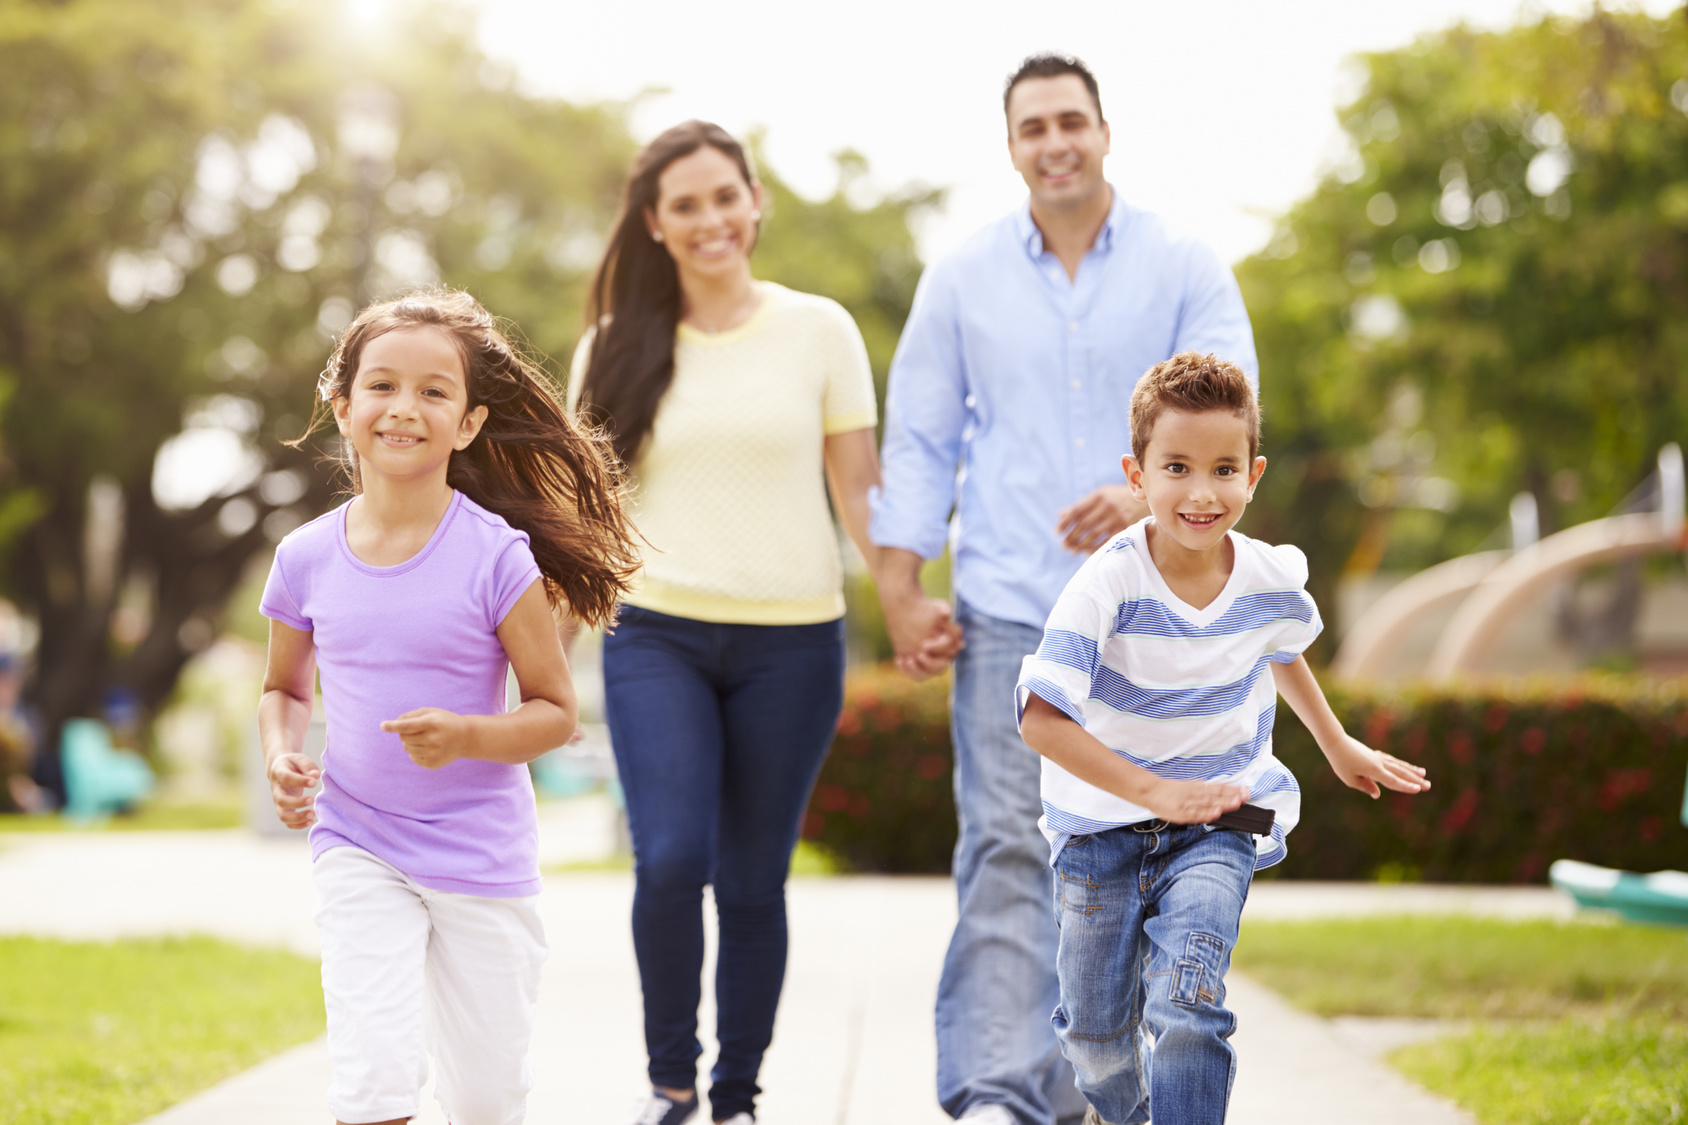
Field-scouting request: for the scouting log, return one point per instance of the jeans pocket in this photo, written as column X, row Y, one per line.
column 1078, row 893
column 1197, row 974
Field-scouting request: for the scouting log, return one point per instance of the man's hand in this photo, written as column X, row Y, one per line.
column 1194, row 802
column 433, row 737
column 1360, row 767
column 290, row 776
column 1098, row 517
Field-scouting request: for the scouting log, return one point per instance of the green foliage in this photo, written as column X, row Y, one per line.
column 109, row 1034
column 1618, row 1072
column 1591, row 770
column 1490, row 294
column 884, row 801
column 188, row 215
column 861, row 254
column 1448, row 967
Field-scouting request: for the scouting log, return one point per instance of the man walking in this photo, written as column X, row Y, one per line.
column 1008, row 406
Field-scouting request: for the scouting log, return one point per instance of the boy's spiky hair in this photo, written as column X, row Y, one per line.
column 1193, row 383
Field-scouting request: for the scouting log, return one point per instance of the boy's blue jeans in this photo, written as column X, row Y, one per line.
column 1148, row 917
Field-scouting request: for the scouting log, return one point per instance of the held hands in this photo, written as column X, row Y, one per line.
column 1193, row 802
column 923, row 636
column 432, row 736
column 1098, row 517
column 1360, row 767
column 290, row 776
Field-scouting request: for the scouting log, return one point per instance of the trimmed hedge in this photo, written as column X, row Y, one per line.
column 1588, row 769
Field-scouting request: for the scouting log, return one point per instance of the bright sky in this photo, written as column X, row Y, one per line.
column 1221, row 110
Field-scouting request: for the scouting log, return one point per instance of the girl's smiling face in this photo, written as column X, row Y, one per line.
column 1196, row 475
column 407, row 408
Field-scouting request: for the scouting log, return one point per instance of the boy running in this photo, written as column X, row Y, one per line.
column 1150, row 703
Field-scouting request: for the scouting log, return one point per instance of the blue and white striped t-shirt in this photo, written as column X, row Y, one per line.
column 1182, row 692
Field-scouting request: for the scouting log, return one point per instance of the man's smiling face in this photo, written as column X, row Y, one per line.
column 1057, row 140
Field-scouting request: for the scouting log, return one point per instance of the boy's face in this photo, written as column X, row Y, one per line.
column 1196, row 475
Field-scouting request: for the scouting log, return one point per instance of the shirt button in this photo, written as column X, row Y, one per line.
column 1078, row 442
column 1072, row 326
column 1077, row 384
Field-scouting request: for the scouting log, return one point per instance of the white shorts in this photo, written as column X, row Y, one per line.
column 409, row 972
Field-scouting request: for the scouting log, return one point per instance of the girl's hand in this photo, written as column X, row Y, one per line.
column 1194, row 802
column 1360, row 767
column 290, row 776
column 433, row 737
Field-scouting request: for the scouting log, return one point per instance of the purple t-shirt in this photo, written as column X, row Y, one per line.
column 390, row 639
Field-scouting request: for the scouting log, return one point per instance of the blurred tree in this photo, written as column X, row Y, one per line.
column 854, row 246
column 1487, row 294
column 196, row 196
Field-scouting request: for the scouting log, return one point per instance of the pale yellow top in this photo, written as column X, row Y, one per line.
column 729, row 488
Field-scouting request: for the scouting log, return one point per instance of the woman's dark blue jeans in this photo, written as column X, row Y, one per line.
column 719, row 732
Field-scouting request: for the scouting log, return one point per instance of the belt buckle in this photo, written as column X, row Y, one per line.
column 1147, row 826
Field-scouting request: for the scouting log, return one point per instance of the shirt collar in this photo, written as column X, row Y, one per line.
column 1032, row 238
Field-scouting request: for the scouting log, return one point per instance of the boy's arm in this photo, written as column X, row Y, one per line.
column 1051, row 733
column 1358, row 765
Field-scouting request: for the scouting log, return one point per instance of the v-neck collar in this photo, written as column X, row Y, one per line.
column 1201, row 618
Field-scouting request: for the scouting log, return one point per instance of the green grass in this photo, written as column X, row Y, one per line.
column 1613, row 1049
column 1470, row 968
column 154, row 817
column 1614, row 1072
column 109, row 1034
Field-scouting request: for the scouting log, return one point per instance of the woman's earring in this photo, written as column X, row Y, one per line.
column 756, row 216
column 656, row 236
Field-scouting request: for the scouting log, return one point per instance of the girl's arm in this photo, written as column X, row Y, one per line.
column 434, row 737
column 1051, row 733
column 284, row 712
column 1358, row 765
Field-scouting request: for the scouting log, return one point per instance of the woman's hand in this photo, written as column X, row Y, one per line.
column 432, row 736
column 290, row 775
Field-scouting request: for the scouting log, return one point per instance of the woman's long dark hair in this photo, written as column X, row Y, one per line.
column 635, row 298
column 531, row 462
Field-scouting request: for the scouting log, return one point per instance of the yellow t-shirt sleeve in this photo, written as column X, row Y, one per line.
column 848, row 402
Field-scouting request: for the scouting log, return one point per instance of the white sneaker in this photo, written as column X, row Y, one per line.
column 738, row 1119
column 992, row 1114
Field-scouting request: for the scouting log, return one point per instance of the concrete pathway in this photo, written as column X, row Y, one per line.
column 854, row 1041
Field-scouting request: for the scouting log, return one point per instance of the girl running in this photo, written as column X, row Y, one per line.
column 479, row 507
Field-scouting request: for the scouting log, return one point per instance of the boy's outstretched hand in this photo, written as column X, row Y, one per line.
column 1194, row 802
column 1360, row 767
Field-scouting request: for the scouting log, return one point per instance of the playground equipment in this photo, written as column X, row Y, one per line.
column 99, row 779
column 1493, row 586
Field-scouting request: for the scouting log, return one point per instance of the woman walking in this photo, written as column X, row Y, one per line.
column 733, row 402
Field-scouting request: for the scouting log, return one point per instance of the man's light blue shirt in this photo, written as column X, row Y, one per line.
column 1010, row 393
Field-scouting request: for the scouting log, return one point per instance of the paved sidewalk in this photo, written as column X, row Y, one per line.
column 854, row 1041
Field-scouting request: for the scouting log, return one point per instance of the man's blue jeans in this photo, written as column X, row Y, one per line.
column 1148, row 916
column 998, row 986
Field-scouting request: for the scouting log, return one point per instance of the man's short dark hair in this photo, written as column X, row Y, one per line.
column 1053, row 66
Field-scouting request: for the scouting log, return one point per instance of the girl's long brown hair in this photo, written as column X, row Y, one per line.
column 532, row 463
column 634, row 302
